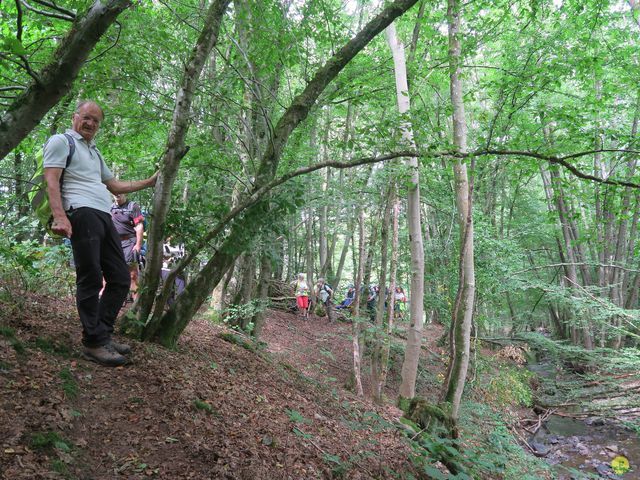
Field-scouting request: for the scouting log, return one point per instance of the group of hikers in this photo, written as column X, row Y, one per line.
column 107, row 236
column 324, row 293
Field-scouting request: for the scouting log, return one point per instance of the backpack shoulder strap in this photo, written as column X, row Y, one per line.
column 72, row 148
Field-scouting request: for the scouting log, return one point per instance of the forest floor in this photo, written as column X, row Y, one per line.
column 210, row 409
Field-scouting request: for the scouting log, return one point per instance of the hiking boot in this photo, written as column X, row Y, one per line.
column 105, row 355
column 121, row 348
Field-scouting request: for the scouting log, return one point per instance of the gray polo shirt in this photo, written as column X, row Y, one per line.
column 83, row 184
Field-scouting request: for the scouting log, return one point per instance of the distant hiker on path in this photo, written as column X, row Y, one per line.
column 81, row 207
column 301, row 289
column 348, row 300
column 129, row 222
column 400, row 302
column 325, row 294
column 372, row 301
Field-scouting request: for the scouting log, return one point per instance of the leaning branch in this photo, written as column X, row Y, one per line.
column 259, row 193
column 60, row 16
column 563, row 161
column 566, row 264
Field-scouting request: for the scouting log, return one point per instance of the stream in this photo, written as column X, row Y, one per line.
column 584, row 449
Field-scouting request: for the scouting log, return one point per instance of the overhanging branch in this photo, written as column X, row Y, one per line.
column 261, row 192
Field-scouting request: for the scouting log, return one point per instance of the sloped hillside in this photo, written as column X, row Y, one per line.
column 211, row 409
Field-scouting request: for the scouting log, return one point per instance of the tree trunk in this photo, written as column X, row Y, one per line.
column 395, row 205
column 263, row 293
column 56, row 79
column 175, row 150
column 351, row 226
column 380, row 338
column 355, row 322
column 462, row 316
column 414, row 334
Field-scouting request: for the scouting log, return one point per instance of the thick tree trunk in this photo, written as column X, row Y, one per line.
column 225, row 286
column 263, row 293
column 414, row 334
column 56, row 79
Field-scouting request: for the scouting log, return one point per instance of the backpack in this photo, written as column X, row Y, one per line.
column 325, row 292
column 38, row 193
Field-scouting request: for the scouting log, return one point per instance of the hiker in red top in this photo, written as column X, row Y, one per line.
column 129, row 222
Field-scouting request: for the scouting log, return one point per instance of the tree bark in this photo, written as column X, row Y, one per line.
column 414, row 334
column 175, row 150
column 355, row 321
column 56, row 79
column 263, row 293
column 462, row 316
column 380, row 338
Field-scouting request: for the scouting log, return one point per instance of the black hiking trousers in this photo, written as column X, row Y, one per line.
column 97, row 252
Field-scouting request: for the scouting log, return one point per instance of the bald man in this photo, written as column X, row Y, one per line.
column 81, row 206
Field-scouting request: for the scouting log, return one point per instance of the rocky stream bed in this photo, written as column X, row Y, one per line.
column 584, row 448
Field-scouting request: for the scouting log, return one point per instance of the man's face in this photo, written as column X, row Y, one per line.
column 86, row 121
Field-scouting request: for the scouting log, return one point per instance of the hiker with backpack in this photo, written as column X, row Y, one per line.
column 78, row 185
column 129, row 222
column 325, row 294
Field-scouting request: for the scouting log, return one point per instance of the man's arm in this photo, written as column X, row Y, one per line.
column 61, row 224
column 119, row 186
column 139, row 228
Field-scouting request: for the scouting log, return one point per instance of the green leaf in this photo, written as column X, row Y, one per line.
column 14, row 46
column 434, row 473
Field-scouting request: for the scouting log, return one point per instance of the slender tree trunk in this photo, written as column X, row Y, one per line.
column 395, row 203
column 462, row 317
column 309, row 255
column 380, row 338
column 175, row 150
column 414, row 334
column 351, row 226
column 355, row 323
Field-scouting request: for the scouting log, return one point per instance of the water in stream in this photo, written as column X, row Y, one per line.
column 584, row 449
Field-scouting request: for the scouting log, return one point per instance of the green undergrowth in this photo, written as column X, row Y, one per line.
column 577, row 376
column 69, row 384
column 28, row 266
column 502, row 383
column 49, row 440
column 238, row 340
column 50, row 345
column 10, row 334
column 486, row 448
